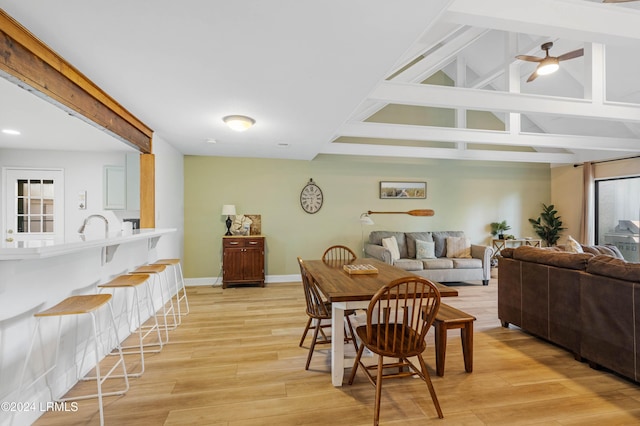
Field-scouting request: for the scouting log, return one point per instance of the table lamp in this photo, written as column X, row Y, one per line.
column 228, row 210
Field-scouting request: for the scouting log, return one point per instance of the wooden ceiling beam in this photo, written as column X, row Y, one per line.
column 26, row 58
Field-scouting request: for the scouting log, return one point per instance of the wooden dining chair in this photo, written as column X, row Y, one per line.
column 398, row 319
column 338, row 253
column 318, row 310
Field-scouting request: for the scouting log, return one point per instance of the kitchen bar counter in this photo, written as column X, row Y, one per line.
column 39, row 249
column 37, row 274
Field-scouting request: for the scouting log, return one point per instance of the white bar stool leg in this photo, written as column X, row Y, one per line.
column 159, row 271
column 132, row 282
column 81, row 305
column 179, row 282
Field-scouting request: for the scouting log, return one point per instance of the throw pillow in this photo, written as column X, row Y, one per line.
column 425, row 249
column 458, row 247
column 391, row 244
column 573, row 246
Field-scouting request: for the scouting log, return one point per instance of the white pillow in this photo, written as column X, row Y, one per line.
column 391, row 244
column 458, row 247
column 425, row 249
column 573, row 246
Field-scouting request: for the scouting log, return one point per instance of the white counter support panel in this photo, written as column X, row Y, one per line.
column 36, row 275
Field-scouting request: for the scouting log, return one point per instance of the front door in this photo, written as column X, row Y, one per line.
column 33, row 204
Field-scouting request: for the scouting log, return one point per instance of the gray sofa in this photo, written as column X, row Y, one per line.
column 441, row 268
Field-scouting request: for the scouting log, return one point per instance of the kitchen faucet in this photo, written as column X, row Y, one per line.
column 106, row 224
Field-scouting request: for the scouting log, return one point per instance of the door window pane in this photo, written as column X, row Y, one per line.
column 35, row 206
column 618, row 215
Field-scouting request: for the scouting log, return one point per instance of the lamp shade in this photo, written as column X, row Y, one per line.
column 365, row 219
column 548, row 66
column 228, row 210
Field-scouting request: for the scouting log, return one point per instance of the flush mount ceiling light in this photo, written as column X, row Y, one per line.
column 10, row 132
column 239, row 123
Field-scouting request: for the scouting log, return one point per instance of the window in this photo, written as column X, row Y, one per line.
column 618, row 215
column 34, row 203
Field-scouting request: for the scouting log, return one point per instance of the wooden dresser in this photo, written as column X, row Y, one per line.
column 242, row 260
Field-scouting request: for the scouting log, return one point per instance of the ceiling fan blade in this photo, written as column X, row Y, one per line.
column 571, row 55
column 616, row 1
column 532, row 76
column 529, row 58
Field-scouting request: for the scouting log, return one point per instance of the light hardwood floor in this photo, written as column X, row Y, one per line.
column 235, row 361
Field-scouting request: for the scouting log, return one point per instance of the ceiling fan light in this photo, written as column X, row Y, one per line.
column 239, row 123
column 548, row 66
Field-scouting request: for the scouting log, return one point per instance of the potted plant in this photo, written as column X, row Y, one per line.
column 498, row 228
column 548, row 226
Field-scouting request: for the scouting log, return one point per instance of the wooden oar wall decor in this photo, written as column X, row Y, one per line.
column 422, row 212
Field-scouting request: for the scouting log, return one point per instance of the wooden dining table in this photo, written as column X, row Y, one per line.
column 352, row 291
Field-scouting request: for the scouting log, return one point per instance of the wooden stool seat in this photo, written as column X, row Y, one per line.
column 167, row 262
column 126, row 281
column 79, row 305
column 448, row 318
column 149, row 269
column 76, row 305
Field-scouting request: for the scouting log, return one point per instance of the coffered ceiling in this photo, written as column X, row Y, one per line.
column 409, row 78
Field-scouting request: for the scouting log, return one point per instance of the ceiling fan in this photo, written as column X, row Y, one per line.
column 549, row 64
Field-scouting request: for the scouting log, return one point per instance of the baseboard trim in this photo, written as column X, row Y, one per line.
column 217, row 281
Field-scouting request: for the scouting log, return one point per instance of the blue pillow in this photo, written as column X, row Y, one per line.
column 425, row 249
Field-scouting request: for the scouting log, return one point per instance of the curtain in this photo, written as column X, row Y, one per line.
column 587, row 224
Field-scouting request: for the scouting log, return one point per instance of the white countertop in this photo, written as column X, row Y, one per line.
column 37, row 249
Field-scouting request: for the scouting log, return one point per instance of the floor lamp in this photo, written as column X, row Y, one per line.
column 364, row 220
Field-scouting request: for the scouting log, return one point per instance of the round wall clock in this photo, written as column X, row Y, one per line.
column 311, row 197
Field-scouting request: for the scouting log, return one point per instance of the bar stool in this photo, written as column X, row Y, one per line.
column 73, row 306
column 132, row 282
column 179, row 280
column 158, row 272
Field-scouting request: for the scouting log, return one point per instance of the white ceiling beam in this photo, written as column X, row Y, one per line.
column 444, row 153
column 433, row 37
column 486, row 100
column 531, row 49
column 447, row 134
column 595, row 73
column 512, row 82
column 440, row 57
column 570, row 19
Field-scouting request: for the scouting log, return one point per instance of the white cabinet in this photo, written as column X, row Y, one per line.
column 121, row 185
column 114, row 195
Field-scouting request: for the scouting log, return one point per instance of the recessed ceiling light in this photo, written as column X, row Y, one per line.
column 211, row 140
column 239, row 123
column 10, row 132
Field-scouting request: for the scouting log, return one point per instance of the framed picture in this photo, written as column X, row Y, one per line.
column 403, row 190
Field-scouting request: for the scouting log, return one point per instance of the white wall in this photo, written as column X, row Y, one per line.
column 169, row 197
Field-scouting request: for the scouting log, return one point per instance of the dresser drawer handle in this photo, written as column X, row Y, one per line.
column 233, row 243
column 253, row 242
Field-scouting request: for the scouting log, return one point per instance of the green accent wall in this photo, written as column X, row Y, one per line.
column 466, row 195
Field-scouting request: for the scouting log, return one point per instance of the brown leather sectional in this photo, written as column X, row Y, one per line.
column 588, row 303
